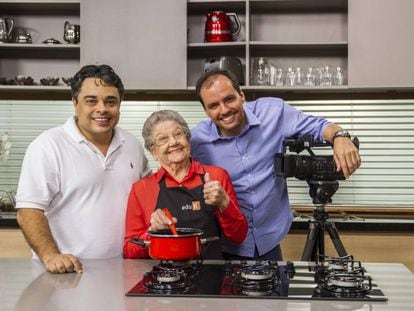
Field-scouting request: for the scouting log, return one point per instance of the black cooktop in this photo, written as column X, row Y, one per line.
column 258, row 279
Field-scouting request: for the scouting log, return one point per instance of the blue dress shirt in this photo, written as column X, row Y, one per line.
column 248, row 157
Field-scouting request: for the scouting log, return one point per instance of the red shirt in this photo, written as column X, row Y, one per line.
column 144, row 195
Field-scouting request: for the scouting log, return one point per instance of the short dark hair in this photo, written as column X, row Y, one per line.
column 215, row 72
column 102, row 72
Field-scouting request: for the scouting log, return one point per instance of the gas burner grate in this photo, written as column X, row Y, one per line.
column 346, row 286
column 335, row 265
column 345, row 263
column 257, row 278
column 191, row 268
column 341, row 277
column 167, row 282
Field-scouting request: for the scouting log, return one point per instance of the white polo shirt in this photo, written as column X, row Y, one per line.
column 83, row 193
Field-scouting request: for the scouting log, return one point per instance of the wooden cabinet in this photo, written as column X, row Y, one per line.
column 13, row 244
column 145, row 41
column 159, row 44
column 42, row 20
column 365, row 246
column 381, row 45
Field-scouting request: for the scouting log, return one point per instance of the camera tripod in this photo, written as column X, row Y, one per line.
column 321, row 193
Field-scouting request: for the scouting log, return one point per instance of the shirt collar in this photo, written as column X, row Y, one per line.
column 251, row 120
column 71, row 128
column 195, row 168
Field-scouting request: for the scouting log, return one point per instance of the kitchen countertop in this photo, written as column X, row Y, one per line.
column 24, row 285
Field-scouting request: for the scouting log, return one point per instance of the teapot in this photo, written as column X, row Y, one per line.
column 6, row 27
column 221, row 26
column 71, row 33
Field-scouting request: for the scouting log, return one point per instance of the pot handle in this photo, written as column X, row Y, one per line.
column 140, row 242
column 210, row 239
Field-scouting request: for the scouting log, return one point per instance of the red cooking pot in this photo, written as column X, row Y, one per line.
column 164, row 245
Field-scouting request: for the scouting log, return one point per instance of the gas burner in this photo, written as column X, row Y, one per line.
column 172, row 277
column 167, row 277
column 167, row 282
column 322, row 274
column 332, row 266
column 191, row 268
column 342, row 277
column 346, row 286
column 257, row 272
column 256, row 278
column 345, row 263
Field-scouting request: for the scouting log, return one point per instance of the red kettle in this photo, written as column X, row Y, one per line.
column 221, row 26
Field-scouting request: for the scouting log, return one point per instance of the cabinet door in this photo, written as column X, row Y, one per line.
column 381, row 45
column 144, row 41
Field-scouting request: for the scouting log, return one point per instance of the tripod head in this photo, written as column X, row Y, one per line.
column 321, row 191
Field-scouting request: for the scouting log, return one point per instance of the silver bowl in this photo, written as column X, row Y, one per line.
column 24, row 80
column 49, row 81
column 68, row 81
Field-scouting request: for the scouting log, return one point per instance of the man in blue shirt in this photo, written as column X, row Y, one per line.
column 243, row 138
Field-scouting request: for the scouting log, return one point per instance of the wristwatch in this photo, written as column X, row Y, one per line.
column 341, row 133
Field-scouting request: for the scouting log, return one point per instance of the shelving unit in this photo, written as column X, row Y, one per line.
column 197, row 50
column 165, row 49
column 303, row 33
column 42, row 20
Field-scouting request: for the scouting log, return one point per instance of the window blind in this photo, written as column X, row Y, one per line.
column 385, row 129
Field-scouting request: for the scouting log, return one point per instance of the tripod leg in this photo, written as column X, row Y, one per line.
column 334, row 234
column 309, row 252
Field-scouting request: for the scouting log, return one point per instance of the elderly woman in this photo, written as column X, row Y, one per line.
column 198, row 196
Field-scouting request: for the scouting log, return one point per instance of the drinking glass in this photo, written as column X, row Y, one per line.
column 310, row 77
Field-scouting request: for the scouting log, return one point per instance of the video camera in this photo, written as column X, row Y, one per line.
column 307, row 167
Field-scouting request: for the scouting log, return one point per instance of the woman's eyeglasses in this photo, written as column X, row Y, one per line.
column 164, row 139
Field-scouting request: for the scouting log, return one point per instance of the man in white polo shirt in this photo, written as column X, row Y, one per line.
column 75, row 178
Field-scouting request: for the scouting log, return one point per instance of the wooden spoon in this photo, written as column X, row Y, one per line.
column 172, row 225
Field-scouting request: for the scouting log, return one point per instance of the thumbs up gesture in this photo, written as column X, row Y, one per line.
column 214, row 193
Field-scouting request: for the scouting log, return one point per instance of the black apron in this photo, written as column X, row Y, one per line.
column 188, row 206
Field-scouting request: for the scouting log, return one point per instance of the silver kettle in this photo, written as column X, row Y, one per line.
column 71, row 33
column 6, row 27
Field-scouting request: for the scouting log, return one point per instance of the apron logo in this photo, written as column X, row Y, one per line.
column 196, row 205
column 186, row 207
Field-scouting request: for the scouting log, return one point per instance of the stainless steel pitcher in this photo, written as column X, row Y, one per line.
column 71, row 33
column 6, row 27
